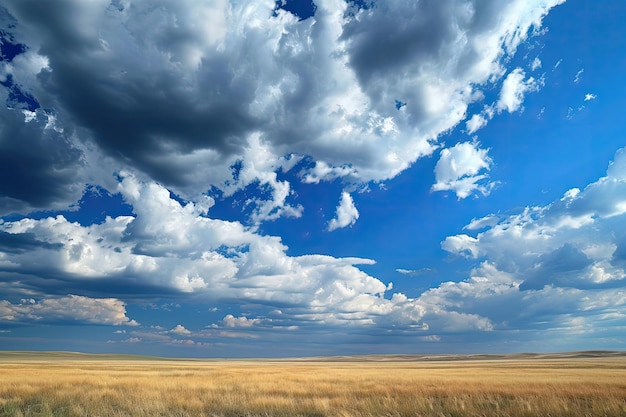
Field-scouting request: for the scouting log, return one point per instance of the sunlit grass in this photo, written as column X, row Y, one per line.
column 61, row 387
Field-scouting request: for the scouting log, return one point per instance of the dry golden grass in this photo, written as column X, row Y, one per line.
column 109, row 387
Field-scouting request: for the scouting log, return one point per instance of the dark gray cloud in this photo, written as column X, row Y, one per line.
column 388, row 38
column 127, row 91
column 560, row 268
column 22, row 242
column 398, row 44
column 619, row 255
column 39, row 166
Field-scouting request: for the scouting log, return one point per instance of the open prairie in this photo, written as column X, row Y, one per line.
column 525, row 385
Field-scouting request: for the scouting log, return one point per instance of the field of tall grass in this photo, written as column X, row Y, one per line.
column 149, row 388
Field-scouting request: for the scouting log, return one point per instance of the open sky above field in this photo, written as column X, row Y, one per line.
column 261, row 178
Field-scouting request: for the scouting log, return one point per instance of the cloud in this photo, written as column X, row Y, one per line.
column 513, row 90
column 549, row 270
column 415, row 272
column 563, row 244
column 232, row 321
column 72, row 308
column 590, row 96
column 579, row 75
column 346, row 214
column 168, row 249
column 180, row 330
column 462, row 169
column 197, row 88
column 41, row 170
column 461, row 245
column 205, row 99
column 512, row 93
column 475, row 123
column 487, row 221
column 480, row 120
column 535, row 64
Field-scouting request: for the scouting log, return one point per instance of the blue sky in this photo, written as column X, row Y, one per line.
column 233, row 178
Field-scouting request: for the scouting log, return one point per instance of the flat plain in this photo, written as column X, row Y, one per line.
column 65, row 384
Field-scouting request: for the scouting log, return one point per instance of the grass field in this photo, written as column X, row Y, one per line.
column 98, row 386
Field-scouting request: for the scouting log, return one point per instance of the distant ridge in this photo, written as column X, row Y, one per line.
column 469, row 357
column 33, row 355
column 8, row 356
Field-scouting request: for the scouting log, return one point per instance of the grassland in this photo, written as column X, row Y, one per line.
column 99, row 386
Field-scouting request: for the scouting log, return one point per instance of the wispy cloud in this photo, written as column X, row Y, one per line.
column 579, row 75
column 415, row 272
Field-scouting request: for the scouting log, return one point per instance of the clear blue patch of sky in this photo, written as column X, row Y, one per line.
column 94, row 207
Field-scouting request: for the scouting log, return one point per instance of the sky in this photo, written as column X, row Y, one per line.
column 230, row 178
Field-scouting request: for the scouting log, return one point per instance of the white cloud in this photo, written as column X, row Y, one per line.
column 462, row 169
column 563, row 244
column 461, row 245
column 170, row 248
column 231, row 321
column 487, row 221
column 541, row 113
column 246, row 87
column 72, row 308
column 579, row 75
column 346, row 214
column 180, row 330
column 415, row 272
column 475, row 123
column 590, row 96
column 543, row 269
column 513, row 90
column 480, row 120
column 535, row 64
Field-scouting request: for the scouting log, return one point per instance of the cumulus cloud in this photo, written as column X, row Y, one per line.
column 180, row 330
column 205, row 99
column 545, row 269
column 513, row 90
column 346, row 214
column 242, row 321
column 462, row 169
column 567, row 244
column 548, row 271
column 167, row 248
column 590, row 96
column 197, row 88
column 72, row 308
